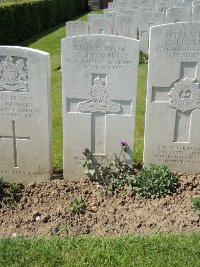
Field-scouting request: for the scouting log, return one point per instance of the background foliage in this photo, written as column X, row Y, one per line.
column 21, row 20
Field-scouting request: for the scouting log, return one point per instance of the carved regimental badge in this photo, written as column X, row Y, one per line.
column 13, row 74
column 99, row 97
column 185, row 95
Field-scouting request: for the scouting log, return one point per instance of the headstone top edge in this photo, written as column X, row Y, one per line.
column 22, row 48
column 179, row 8
column 89, row 36
column 169, row 25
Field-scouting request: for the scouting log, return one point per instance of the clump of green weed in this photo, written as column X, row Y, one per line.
column 10, row 192
column 196, row 204
column 155, row 181
column 143, row 58
column 115, row 174
column 77, row 205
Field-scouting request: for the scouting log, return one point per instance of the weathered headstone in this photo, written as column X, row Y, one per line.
column 77, row 27
column 111, row 5
column 110, row 14
column 196, row 13
column 99, row 95
column 187, row 5
column 172, row 124
column 194, row 3
column 162, row 7
column 133, row 12
column 147, row 20
column 94, row 15
column 126, row 25
column 101, row 26
column 25, row 115
column 178, row 14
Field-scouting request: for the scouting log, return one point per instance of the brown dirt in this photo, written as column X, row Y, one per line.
column 44, row 210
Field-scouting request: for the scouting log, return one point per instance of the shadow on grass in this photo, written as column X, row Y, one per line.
column 37, row 36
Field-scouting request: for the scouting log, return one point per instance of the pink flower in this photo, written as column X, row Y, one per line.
column 124, row 143
column 86, row 152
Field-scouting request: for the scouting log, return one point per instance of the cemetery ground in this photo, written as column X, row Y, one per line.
column 60, row 208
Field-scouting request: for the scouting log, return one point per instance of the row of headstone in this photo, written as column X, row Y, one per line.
column 99, row 83
column 122, row 25
column 154, row 13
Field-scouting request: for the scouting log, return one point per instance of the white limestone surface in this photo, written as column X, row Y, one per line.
column 25, row 115
column 99, row 83
column 126, row 25
column 101, row 25
column 147, row 20
column 196, row 13
column 94, row 15
column 178, row 14
column 76, row 27
column 172, row 123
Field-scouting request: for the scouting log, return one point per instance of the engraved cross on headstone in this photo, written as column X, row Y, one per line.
column 99, row 106
column 183, row 96
column 14, row 137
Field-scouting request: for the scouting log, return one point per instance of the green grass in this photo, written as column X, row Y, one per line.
column 162, row 251
column 140, row 112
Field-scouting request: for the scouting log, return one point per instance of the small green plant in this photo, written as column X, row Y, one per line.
column 196, row 204
column 10, row 193
column 77, row 205
column 115, row 174
column 143, row 58
column 2, row 185
column 155, row 181
column 15, row 190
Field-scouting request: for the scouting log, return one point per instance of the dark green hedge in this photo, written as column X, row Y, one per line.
column 22, row 20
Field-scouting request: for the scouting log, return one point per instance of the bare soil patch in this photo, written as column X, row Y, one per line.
column 45, row 209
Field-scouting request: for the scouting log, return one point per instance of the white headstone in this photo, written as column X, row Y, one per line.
column 111, row 5
column 25, row 115
column 94, row 15
column 172, row 124
column 163, row 7
column 99, row 95
column 187, row 5
column 178, row 14
column 126, row 25
column 101, row 26
column 76, row 27
column 110, row 14
column 133, row 12
column 122, row 4
column 147, row 20
column 196, row 13
column 194, row 3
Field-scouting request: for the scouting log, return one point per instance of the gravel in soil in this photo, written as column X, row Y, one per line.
column 50, row 208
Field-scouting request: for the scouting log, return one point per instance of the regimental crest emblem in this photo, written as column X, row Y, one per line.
column 13, row 74
column 185, row 95
column 99, row 97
